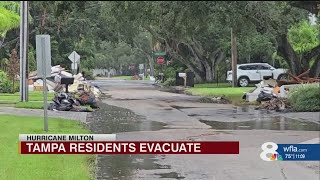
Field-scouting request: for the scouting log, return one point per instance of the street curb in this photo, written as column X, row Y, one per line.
column 311, row 141
column 172, row 89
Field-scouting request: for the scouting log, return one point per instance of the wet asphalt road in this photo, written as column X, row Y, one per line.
column 136, row 110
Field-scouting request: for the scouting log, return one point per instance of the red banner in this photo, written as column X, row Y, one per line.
column 109, row 147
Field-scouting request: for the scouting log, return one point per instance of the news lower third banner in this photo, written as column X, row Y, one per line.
column 290, row 152
column 107, row 144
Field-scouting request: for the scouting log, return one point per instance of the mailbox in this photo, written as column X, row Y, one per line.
column 67, row 81
column 182, row 75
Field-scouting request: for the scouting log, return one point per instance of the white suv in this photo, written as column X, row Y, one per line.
column 255, row 72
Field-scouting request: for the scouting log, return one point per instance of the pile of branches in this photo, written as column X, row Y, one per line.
column 277, row 104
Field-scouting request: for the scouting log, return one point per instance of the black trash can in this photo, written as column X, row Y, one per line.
column 190, row 79
column 179, row 80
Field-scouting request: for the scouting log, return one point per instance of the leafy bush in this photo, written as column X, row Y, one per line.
column 170, row 72
column 305, row 98
column 6, row 86
column 16, row 86
column 87, row 74
column 5, row 83
column 3, row 76
column 170, row 82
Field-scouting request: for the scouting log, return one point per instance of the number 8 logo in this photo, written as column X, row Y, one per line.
column 267, row 150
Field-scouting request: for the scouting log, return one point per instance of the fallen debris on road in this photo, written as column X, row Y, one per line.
column 217, row 100
column 68, row 102
column 80, row 93
column 273, row 96
column 277, row 104
column 300, row 79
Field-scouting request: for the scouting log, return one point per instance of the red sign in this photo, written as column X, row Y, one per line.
column 160, row 60
column 144, row 147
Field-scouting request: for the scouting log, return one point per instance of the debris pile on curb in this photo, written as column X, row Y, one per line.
column 217, row 100
column 300, row 79
column 80, row 93
column 68, row 102
column 277, row 104
column 272, row 94
column 269, row 96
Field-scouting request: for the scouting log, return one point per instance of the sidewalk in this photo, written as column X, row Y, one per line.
column 79, row 116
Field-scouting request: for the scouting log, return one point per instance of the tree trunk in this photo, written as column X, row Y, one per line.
column 13, row 86
column 209, row 71
column 1, row 41
column 315, row 68
column 120, row 70
column 286, row 51
column 43, row 21
column 234, row 57
column 151, row 64
column 215, row 58
column 199, row 76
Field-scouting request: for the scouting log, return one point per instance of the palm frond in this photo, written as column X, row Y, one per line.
column 8, row 20
column 11, row 6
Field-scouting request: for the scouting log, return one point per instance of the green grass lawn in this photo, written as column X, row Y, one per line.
column 30, row 105
column 122, row 77
column 33, row 96
column 35, row 100
column 128, row 77
column 7, row 102
column 16, row 166
column 39, row 105
column 215, row 85
column 222, row 89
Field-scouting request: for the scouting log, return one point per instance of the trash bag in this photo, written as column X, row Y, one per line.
column 265, row 96
column 88, row 99
column 52, row 106
column 68, row 102
column 62, row 102
column 64, row 107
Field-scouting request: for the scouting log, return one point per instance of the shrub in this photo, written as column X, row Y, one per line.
column 170, row 72
column 5, row 83
column 170, row 82
column 305, row 98
column 16, row 86
column 3, row 76
column 87, row 74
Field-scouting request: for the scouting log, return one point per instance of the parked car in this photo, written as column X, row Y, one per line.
column 255, row 72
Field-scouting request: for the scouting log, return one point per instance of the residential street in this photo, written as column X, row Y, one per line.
column 137, row 110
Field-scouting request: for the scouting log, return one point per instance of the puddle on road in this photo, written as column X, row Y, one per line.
column 112, row 119
column 271, row 123
column 129, row 99
column 183, row 107
column 126, row 166
column 170, row 175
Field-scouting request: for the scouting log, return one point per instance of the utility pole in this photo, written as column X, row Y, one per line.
column 234, row 58
column 23, row 51
column 26, row 47
column 22, row 62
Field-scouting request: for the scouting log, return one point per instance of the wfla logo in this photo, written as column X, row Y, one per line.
column 269, row 152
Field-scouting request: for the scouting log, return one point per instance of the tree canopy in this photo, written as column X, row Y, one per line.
column 9, row 18
column 194, row 34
